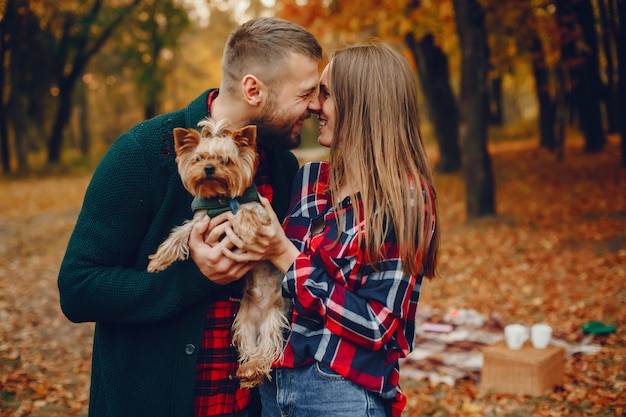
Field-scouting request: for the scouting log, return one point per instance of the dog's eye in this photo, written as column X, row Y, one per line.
column 198, row 158
column 226, row 161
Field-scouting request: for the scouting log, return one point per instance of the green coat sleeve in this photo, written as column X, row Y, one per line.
column 103, row 276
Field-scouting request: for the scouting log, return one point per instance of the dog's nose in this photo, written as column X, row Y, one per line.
column 209, row 170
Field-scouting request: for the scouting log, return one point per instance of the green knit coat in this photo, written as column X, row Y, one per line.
column 148, row 325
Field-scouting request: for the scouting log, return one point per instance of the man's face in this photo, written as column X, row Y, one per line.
column 287, row 107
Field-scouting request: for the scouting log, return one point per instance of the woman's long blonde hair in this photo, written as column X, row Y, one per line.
column 378, row 146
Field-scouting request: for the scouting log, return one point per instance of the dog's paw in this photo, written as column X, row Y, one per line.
column 250, row 377
column 155, row 265
column 159, row 262
column 249, row 220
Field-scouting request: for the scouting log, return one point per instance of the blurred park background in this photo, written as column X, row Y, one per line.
column 76, row 74
column 523, row 108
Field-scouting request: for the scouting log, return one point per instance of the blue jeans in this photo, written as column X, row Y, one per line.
column 315, row 391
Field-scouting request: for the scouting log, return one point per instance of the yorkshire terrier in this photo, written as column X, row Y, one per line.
column 217, row 166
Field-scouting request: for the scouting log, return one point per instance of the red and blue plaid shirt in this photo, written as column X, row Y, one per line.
column 356, row 318
column 217, row 391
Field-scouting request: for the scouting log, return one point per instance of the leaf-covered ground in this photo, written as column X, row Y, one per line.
column 555, row 253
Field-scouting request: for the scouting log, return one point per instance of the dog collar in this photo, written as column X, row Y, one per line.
column 218, row 205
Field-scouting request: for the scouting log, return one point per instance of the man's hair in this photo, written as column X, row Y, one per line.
column 378, row 126
column 262, row 47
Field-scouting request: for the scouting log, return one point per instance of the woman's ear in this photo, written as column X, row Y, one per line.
column 252, row 89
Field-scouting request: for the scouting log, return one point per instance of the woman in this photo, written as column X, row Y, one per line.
column 361, row 233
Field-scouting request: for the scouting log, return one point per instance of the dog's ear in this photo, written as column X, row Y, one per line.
column 185, row 139
column 245, row 136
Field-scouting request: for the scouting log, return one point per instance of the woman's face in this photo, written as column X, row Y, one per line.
column 327, row 113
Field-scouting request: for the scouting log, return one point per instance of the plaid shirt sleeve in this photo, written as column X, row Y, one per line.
column 367, row 313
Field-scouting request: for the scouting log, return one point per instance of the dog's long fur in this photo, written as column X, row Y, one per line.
column 221, row 162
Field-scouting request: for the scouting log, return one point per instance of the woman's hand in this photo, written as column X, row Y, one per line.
column 271, row 244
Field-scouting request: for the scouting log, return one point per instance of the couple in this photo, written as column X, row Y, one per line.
column 359, row 234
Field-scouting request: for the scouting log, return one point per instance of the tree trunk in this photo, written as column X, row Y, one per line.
column 561, row 108
column 496, row 116
column 621, row 42
column 608, row 19
column 64, row 111
column 4, row 48
column 83, row 122
column 432, row 67
column 477, row 171
column 569, row 71
column 547, row 109
column 85, row 47
column 22, row 132
column 591, row 86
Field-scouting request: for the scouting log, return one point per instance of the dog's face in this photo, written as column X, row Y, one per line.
column 218, row 161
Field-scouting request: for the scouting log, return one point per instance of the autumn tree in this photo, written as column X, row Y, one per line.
column 4, row 47
column 147, row 46
column 473, row 103
column 621, row 53
column 29, row 79
column 82, row 33
column 434, row 74
column 160, row 25
column 543, row 90
column 579, row 46
column 524, row 31
column 61, row 37
column 609, row 24
column 425, row 46
column 592, row 88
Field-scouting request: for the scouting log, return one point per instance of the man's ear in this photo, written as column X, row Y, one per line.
column 253, row 90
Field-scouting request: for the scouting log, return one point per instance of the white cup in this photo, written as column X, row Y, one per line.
column 540, row 335
column 515, row 335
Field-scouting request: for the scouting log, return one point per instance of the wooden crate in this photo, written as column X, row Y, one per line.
column 527, row 371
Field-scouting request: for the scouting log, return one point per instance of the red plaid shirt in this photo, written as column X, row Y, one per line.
column 353, row 317
column 217, row 391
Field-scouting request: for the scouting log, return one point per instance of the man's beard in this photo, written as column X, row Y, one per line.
column 272, row 133
column 275, row 137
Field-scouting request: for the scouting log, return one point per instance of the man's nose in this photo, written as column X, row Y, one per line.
column 314, row 105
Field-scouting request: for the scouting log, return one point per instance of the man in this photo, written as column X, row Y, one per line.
column 162, row 341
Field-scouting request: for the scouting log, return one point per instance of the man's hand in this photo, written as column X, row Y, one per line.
column 271, row 244
column 207, row 243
